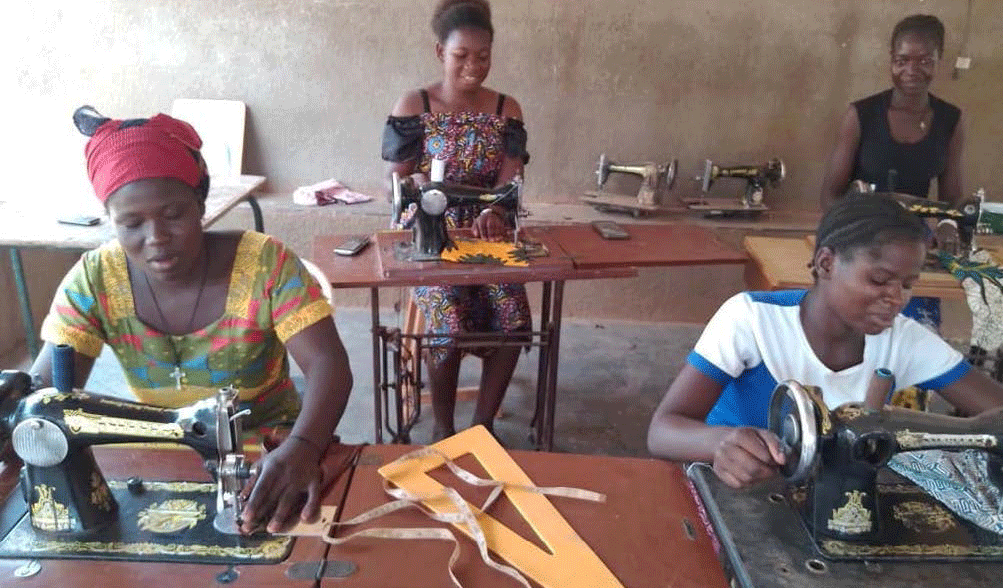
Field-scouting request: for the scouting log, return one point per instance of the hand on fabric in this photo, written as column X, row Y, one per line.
column 747, row 455
column 948, row 240
column 489, row 225
column 276, row 495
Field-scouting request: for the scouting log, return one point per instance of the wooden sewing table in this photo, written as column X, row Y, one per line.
column 648, row 532
column 779, row 263
column 34, row 224
column 576, row 252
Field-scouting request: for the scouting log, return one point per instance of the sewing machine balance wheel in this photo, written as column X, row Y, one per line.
column 670, row 173
column 778, row 169
column 794, row 418
column 602, row 171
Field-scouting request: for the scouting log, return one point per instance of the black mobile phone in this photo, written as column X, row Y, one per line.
column 82, row 220
column 610, row 230
column 352, row 246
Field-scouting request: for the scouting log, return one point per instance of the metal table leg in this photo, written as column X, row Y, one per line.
column 542, row 373
column 22, row 295
column 554, row 348
column 259, row 221
column 374, row 300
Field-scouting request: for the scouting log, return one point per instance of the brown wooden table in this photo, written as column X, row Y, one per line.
column 577, row 252
column 648, row 532
column 779, row 263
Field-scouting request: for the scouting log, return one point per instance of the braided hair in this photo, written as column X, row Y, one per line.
column 925, row 26
column 88, row 120
column 861, row 220
column 450, row 15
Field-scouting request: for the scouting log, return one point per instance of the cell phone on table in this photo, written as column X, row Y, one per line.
column 610, row 230
column 353, row 246
column 83, row 220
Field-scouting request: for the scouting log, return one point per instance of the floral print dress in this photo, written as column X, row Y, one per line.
column 474, row 144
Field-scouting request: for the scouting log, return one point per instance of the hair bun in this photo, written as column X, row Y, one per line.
column 88, row 120
column 450, row 15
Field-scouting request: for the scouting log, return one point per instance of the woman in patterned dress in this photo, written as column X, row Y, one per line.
column 479, row 132
column 188, row 312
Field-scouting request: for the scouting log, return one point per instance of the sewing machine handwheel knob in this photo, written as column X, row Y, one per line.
column 135, row 485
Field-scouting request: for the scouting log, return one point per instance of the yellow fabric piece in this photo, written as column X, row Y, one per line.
column 488, row 252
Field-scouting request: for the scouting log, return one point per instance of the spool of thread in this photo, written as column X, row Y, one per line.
column 879, row 388
column 438, row 171
column 63, row 368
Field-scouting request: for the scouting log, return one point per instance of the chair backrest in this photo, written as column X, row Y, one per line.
column 220, row 123
column 318, row 274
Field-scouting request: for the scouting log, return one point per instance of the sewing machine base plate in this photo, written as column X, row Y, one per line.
column 407, row 252
column 725, row 208
column 168, row 521
column 765, row 545
column 915, row 526
column 604, row 202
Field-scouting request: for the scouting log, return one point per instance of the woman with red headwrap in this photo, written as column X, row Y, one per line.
column 188, row 312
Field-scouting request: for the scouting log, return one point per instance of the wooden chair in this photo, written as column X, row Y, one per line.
column 414, row 322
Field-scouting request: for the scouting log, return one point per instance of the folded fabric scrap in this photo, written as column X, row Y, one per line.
column 328, row 192
column 959, row 479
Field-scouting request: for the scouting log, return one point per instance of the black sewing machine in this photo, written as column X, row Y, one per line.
column 833, row 460
column 654, row 178
column 431, row 200
column 756, row 177
column 967, row 214
column 73, row 511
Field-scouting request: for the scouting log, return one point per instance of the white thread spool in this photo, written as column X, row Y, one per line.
column 438, row 171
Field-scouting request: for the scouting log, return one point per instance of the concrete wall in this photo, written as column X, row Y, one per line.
column 738, row 82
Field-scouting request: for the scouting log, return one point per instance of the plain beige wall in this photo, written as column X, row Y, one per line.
column 732, row 80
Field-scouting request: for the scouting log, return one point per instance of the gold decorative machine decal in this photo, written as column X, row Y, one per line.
column 49, row 515
column 917, row 440
column 100, row 494
column 852, row 518
column 79, row 422
column 923, row 517
column 171, row 516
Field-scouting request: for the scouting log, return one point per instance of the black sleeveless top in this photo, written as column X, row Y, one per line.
column 901, row 167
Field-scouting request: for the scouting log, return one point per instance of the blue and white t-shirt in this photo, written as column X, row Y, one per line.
column 756, row 340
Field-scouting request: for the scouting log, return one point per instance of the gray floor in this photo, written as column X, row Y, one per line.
column 612, row 374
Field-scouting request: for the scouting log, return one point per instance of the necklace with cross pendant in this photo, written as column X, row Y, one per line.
column 177, row 374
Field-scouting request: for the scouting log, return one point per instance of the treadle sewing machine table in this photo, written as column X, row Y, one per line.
column 765, row 545
column 576, row 252
column 648, row 532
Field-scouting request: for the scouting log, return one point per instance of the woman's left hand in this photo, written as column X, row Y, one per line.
column 489, row 225
column 276, row 495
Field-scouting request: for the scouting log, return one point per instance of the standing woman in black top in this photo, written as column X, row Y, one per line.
column 902, row 138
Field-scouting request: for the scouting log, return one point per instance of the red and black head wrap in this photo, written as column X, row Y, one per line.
column 123, row 151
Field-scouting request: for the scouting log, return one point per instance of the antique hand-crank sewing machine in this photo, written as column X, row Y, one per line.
column 654, row 178
column 70, row 510
column 756, row 177
column 430, row 202
column 833, row 458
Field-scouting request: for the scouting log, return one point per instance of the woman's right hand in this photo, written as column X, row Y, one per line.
column 747, row 455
